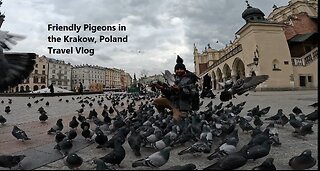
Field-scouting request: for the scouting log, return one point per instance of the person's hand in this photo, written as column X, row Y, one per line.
column 175, row 87
column 158, row 86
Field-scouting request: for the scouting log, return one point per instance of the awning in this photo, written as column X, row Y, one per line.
column 302, row 37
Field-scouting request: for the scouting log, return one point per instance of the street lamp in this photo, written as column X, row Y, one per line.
column 255, row 59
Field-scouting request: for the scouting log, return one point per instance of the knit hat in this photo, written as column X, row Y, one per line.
column 179, row 64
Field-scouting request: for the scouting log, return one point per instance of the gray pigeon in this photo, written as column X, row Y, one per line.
column 303, row 161
column 155, row 160
column 64, row 146
column 9, row 161
column 57, row 127
column 19, row 134
column 201, row 146
column 101, row 165
column 14, row 67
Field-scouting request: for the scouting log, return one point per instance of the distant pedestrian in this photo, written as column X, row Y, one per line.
column 51, row 88
column 80, row 88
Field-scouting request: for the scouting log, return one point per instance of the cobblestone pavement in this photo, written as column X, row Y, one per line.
column 27, row 119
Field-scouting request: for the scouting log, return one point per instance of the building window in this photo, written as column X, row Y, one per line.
column 53, row 76
column 36, row 65
column 35, row 80
column 302, row 81
column 309, row 79
column 43, row 80
column 36, row 71
column 53, row 71
column 43, row 72
column 59, row 82
column 43, row 66
column 275, row 64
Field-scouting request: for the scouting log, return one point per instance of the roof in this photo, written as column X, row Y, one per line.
column 302, row 37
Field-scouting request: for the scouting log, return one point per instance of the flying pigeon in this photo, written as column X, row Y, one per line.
column 14, row 67
column 240, row 86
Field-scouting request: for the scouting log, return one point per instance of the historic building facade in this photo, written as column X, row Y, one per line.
column 59, row 73
column 88, row 75
column 283, row 46
column 38, row 79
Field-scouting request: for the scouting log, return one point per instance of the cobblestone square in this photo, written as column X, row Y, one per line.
column 27, row 119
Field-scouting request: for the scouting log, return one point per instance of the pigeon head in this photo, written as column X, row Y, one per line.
column 306, row 152
column 21, row 157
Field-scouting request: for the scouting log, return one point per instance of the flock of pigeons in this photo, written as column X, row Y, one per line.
column 142, row 127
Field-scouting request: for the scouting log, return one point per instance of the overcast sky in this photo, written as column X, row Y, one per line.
column 157, row 30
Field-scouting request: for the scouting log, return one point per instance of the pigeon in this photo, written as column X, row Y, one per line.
column 81, row 118
column 72, row 134
column 101, row 165
column 257, row 121
column 7, row 109
column 80, row 111
column 283, row 120
column 116, row 156
column 73, row 124
column 59, row 137
column 87, row 133
column 85, row 124
column 225, row 149
column 47, row 103
column 14, row 67
column 19, row 134
column 240, row 86
column 189, row 166
column 303, row 161
column 296, row 110
column 276, row 116
column 154, row 160
column 57, row 127
column 314, row 104
column 266, row 165
column 313, row 116
column 259, row 151
column 43, row 117
column 100, row 139
column 73, row 161
column 2, row 120
column 9, row 161
column 64, row 146
column 201, row 146
column 29, row 104
column 134, row 141
column 231, row 161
